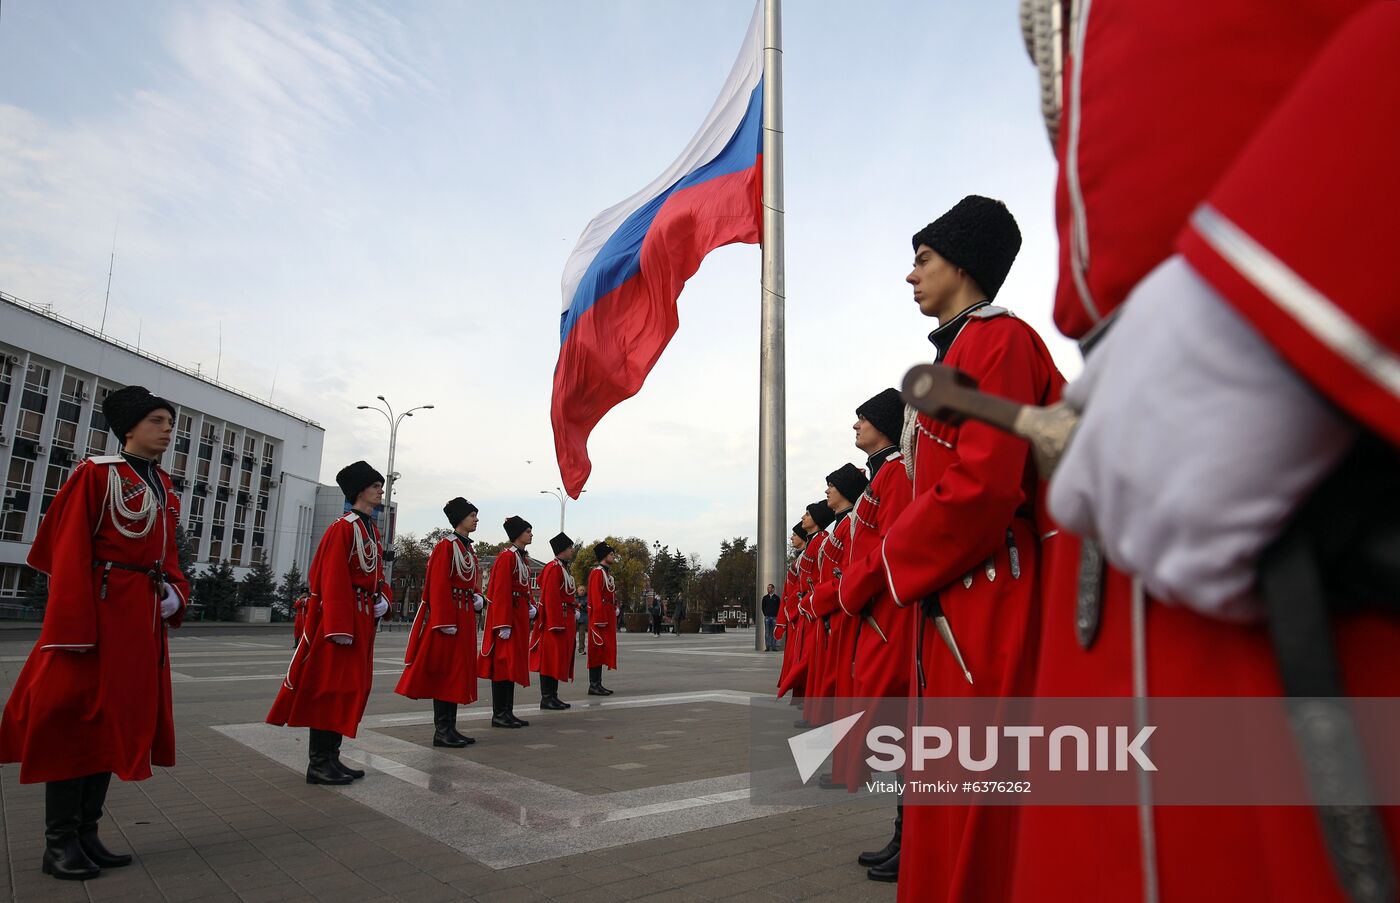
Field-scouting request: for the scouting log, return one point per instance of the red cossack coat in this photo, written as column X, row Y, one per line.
column 508, row 606
column 1297, row 95
column 602, row 619
column 327, row 684
column 785, row 628
column 803, row 635
column 552, row 634
column 882, row 657
column 830, row 626
column 438, row 664
column 94, row 694
column 969, row 536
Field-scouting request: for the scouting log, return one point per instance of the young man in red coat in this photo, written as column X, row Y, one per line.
column 1254, row 342
column 328, row 682
column 510, row 609
column 785, row 631
column 836, row 629
column 884, row 632
column 968, row 541
column 602, row 619
column 93, row 697
column 552, row 640
column 815, row 519
column 440, row 661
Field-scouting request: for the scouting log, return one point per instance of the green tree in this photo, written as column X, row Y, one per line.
column 259, row 586
column 629, row 571
column 185, row 552
column 489, row 549
column 293, row 584
column 36, row 591
column 736, row 569
column 217, row 590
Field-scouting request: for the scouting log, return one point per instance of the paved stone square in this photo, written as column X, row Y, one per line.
column 639, row 796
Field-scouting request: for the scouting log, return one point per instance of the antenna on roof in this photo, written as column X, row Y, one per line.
column 111, row 261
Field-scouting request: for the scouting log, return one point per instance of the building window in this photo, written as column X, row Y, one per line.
column 33, row 402
column 10, row 576
column 180, row 463
column 216, row 531
column 97, row 425
column 7, row 380
column 14, row 500
column 194, row 524
column 56, row 475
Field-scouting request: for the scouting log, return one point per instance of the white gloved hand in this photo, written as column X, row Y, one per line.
column 505, row 633
column 450, row 631
column 341, row 639
column 169, row 602
column 479, row 602
column 1196, row 444
column 381, row 606
column 533, row 611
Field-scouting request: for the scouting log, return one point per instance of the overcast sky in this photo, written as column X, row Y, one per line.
column 378, row 198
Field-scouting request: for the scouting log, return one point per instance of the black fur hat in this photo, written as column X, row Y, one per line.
column 799, row 532
column 602, row 550
column 458, row 510
column 849, row 480
column 356, row 478
column 560, row 543
column 822, row 514
column 125, row 408
column 885, row 412
column 978, row 234
column 515, row 525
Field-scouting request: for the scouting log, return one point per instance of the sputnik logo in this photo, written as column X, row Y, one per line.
column 811, row 748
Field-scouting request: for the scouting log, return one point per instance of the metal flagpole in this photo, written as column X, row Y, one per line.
column 772, row 415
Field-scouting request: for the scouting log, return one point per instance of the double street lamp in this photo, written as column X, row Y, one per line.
column 389, row 477
column 563, row 498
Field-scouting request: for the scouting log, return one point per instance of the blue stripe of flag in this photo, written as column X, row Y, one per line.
column 619, row 259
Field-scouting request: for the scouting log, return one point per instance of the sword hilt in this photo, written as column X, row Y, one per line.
column 948, row 394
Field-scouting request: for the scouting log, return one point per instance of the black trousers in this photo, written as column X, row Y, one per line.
column 549, row 686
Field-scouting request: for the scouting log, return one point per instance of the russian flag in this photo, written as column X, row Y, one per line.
column 623, row 278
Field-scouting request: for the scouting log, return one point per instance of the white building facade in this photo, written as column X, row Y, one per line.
column 246, row 470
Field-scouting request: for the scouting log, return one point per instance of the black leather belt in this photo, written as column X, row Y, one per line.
column 157, row 576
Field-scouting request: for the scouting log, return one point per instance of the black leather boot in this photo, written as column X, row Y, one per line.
column 549, row 694
column 886, row 871
column 321, row 763
column 498, row 704
column 889, row 850
column 94, row 796
column 339, row 763
column 63, row 855
column 444, row 714
column 458, row 735
column 595, row 682
column 510, row 706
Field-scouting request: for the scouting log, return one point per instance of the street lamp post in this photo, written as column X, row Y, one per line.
column 389, row 477
column 563, row 498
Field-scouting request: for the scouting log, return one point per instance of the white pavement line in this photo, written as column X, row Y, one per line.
column 677, row 805
column 503, row 819
column 236, row 677
column 748, row 654
column 734, row 697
